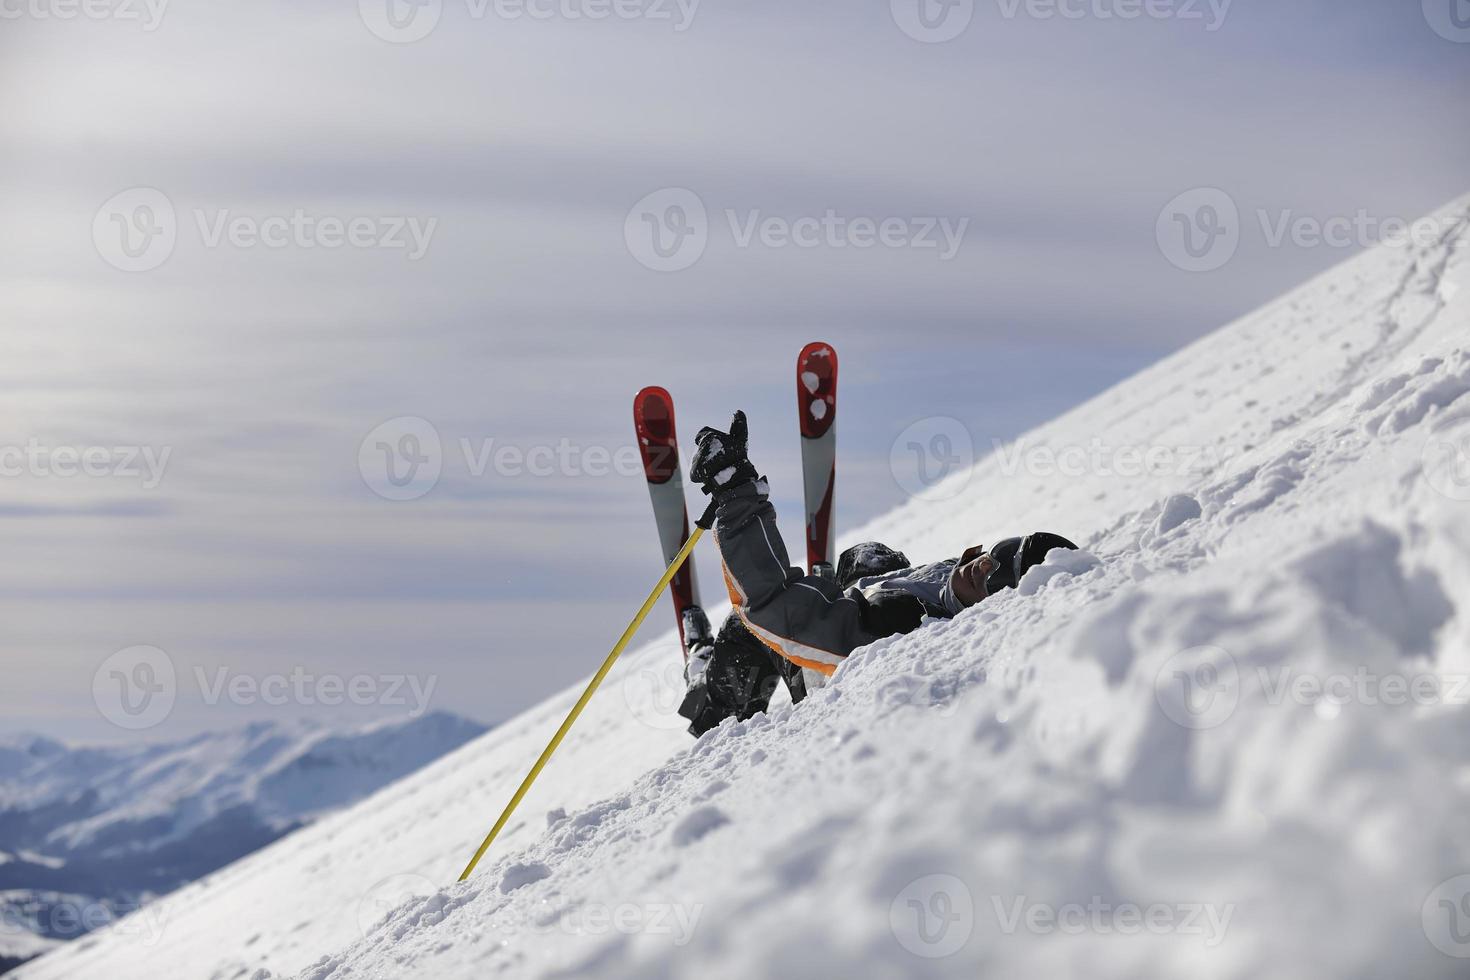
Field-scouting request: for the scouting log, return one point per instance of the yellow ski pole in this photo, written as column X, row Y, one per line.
column 592, row 686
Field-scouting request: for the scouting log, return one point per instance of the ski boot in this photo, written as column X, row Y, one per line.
column 699, row 643
column 734, row 676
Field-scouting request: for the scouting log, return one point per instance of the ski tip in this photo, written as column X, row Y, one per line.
column 658, row 441
column 816, row 388
column 653, row 397
column 653, row 413
column 818, row 349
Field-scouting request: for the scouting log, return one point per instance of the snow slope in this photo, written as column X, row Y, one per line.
column 104, row 828
column 1119, row 770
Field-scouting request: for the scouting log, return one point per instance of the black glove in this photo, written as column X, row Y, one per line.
column 720, row 462
column 890, row 612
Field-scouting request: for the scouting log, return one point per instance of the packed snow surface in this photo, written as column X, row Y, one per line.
column 1227, row 738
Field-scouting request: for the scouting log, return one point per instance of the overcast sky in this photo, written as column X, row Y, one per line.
column 241, row 238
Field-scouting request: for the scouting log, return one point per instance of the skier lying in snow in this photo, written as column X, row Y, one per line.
column 783, row 622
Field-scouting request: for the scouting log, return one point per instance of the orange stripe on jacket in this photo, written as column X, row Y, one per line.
column 769, row 638
column 826, row 670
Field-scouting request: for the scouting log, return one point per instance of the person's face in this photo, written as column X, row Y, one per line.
column 967, row 581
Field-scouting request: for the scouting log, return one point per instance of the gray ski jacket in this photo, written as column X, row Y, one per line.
column 811, row 621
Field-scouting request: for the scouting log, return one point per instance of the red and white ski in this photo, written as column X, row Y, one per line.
column 816, row 403
column 653, row 420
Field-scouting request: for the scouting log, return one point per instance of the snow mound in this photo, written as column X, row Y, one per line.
column 1225, row 739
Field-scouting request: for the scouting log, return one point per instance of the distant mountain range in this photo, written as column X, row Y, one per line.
column 90, row 832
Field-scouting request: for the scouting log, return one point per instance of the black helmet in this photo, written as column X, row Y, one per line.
column 1014, row 557
column 868, row 559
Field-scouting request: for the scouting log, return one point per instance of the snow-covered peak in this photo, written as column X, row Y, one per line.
column 1226, row 740
column 288, row 771
column 107, row 827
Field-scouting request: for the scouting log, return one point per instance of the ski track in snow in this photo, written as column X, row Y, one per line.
column 1114, row 732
